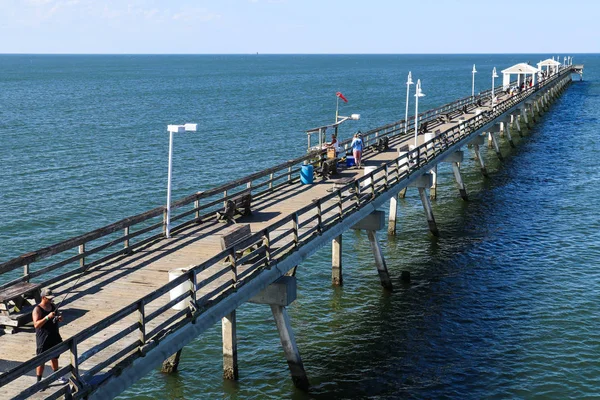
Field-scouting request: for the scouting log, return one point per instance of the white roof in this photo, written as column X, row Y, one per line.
column 521, row 68
column 547, row 62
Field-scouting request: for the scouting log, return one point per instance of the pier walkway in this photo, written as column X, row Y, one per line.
column 120, row 320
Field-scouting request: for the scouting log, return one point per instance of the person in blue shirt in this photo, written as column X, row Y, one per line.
column 357, row 148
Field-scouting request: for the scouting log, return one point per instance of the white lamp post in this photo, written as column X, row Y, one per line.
column 408, row 83
column 473, row 84
column 418, row 93
column 494, row 76
column 174, row 129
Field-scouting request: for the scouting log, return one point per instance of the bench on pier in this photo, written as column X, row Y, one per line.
column 328, row 167
column 237, row 205
column 381, row 144
column 449, row 116
column 340, row 183
column 238, row 236
column 16, row 305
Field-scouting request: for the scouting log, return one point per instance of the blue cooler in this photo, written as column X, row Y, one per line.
column 350, row 161
column 306, row 174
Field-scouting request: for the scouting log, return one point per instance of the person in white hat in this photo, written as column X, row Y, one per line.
column 45, row 321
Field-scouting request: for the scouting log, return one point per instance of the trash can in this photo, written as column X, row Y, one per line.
column 181, row 289
column 368, row 170
column 306, row 174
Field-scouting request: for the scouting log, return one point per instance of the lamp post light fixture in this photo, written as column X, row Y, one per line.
column 173, row 129
column 408, row 83
column 418, row 93
column 473, row 83
column 494, row 76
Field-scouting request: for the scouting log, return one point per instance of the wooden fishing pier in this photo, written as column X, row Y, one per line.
column 136, row 298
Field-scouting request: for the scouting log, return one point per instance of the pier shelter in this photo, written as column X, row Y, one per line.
column 521, row 70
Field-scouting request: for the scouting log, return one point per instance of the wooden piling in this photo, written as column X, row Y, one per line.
column 393, row 215
column 461, row 185
column 336, row 262
column 290, row 349
column 382, row 270
column 230, row 358
column 171, row 364
column 428, row 212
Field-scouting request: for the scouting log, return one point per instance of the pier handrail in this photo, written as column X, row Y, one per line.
column 279, row 240
column 276, row 177
column 266, row 180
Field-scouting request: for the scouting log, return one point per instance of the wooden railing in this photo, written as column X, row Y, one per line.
column 135, row 232
column 148, row 320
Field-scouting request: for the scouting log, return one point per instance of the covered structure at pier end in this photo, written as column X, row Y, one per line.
column 552, row 66
column 520, row 69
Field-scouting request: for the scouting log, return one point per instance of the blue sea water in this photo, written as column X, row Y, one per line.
column 503, row 305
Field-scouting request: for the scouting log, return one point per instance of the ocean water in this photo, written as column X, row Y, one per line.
column 504, row 304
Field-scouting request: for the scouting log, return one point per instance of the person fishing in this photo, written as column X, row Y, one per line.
column 45, row 321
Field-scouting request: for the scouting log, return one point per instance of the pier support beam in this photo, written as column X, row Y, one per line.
column 278, row 295
column 494, row 140
column 230, row 358
column 290, row 348
column 382, row 270
column 524, row 117
column 433, row 188
column 505, row 129
column 372, row 223
column 515, row 123
column 171, row 364
column 461, row 185
column 422, row 183
column 455, row 159
column 478, row 141
column 336, row 261
column 393, row 215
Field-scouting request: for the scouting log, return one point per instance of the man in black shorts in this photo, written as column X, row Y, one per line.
column 45, row 321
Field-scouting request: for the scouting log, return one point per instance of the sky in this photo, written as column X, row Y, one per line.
column 298, row 26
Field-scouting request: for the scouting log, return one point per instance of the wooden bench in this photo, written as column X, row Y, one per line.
column 237, row 205
column 329, row 167
column 16, row 304
column 340, row 183
column 381, row 144
column 238, row 236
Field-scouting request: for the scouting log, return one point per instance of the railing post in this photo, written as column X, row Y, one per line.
column 82, row 251
column 142, row 322
column 126, row 241
column 165, row 222
column 271, row 181
column 193, row 279
column 74, row 359
column 387, row 178
column 295, row 228
column 319, row 218
column 290, row 174
column 340, row 205
column 225, row 197
column 26, row 271
column 267, row 244
column 357, row 194
column 197, row 207
column 234, row 278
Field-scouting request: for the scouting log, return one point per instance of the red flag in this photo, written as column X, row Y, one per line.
column 341, row 96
